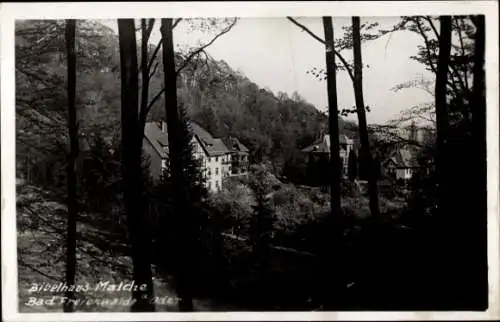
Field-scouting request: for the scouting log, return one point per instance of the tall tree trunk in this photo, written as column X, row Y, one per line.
column 332, row 274
column 443, row 252
column 131, row 167
column 71, row 166
column 333, row 119
column 442, row 117
column 365, row 153
column 478, row 103
column 144, row 76
column 478, row 88
column 477, row 217
column 174, row 127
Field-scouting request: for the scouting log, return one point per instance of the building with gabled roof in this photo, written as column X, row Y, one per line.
column 239, row 157
column 220, row 157
column 213, row 146
column 401, row 164
column 210, row 151
column 321, row 149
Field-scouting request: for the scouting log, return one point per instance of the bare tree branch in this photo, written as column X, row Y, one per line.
column 155, row 98
column 451, row 83
column 158, row 46
column 460, row 24
column 344, row 62
column 433, row 26
column 456, row 77
column 155, row 53
column 186, row 61
column 151, row 23
column 304, row 28
column 154, row 70
column 176, row 22
column 420, row 83
column 147, row 29
column 427, row 44
column 453, row 68
column 197, row 51
column 145, row 72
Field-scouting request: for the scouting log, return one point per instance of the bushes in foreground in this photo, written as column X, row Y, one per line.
column 229, row 264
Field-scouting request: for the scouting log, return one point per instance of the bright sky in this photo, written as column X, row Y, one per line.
column 274, row 53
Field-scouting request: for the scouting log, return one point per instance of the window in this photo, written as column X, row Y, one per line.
column 217, row 185
column 209, row 172
column 216, row 171
column 216, row 159
column 209, row 185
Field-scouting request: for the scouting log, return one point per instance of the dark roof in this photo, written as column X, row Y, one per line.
column 403, row 158
column 324, row 144
column 211, row 145
column 159, row 139
column 233, row 144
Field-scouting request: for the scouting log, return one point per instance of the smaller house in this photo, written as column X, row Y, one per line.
column 321, row 150
column 401, row 165
column 239, row 157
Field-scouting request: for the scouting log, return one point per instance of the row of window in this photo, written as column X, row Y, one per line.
column 232, row 170
column 234, row 158
column 406, row 172
column 217, row 185
column 209, row 171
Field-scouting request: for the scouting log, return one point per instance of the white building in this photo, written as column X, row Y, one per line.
column 214, row 155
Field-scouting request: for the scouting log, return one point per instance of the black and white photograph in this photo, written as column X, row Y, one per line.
column 228, row 162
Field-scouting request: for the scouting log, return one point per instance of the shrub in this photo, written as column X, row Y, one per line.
column 234, row 206
column 355, row 207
